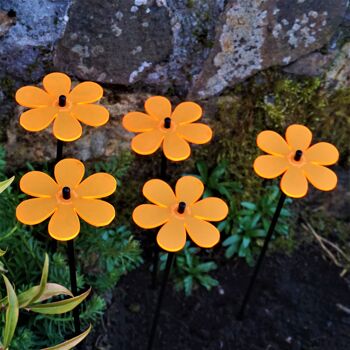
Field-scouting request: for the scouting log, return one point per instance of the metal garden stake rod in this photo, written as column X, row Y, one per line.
column 70, row 244
column 169, row 262
column 59, row 156
column 73, row 282
column 163, row 176
column 276, row 215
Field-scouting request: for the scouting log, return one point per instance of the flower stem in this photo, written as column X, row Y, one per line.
column 169, row 263
column 268, row 237
column 73, row 282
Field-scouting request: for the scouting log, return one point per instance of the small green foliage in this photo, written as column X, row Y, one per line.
column 108, row 255
column 116, row 166
column 247, row 227
column 216, row 180
column 190, row 270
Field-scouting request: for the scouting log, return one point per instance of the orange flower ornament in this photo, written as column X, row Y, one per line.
column 296, row 160
column 64, row 107
column 159, row 126
column 66, row 199
column 180, row 212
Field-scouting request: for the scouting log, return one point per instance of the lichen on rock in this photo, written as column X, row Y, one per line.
column 258, row 34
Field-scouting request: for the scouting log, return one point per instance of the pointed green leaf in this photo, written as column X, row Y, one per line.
column 6, row 183
column 59, row 307
column 51, row 290
column 69, row 344
column 11, row 317
column 2, row 252
column 43, row 281
column 248, row 205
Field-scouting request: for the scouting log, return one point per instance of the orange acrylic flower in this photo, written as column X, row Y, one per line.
column 66, row 199
column 159, row 126
column 180, row 212
column 64, row 107
column 296, row 160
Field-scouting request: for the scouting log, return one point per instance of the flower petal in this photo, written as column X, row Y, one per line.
column 211, row 209
column 97, row 186
column 202, row 233
column 64, row 224
column 321, row 177
column 57, row 84
column 69, row 172
column 269, row 167
column 196, row 133
column 273, row 143
column 66, row 127
column 322, row 153
column 91, row 114
column 187, row 112
column 33, row 97
column 86, row 92
column 172, row 236
column 298, row 137
column 38, row 119
column 159, row 192
column 189, row 189
column 175, row 148
column 147, row 142
column 294, row 183
column 38, row 184
column 35, row 210
column 150, row 215
column 139, row 122
column 94, row 211
column 158, row 107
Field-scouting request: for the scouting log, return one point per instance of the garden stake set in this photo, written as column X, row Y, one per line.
column 299, row 163
column 179, row 213
column 158, row 128
column 67, row 197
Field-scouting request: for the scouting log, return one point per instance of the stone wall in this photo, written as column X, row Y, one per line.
column 196, row 49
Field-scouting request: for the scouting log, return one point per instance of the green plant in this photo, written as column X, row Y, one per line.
column 248, row 226
column 190, row 270
column 216, row 179
column 117, row 166
column 34, row 300
column 109, row 255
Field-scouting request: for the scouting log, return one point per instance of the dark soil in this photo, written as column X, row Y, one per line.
column 297, row 304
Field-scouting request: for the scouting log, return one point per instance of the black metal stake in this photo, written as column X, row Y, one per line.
column 169, row 263
column 59, row 151
column 268, row 237
column 73, row 283
column 163, row 176
column 59, row 156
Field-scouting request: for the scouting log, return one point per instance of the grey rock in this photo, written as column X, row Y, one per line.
column 114, row 42
column 193, row 24
column 338, row 76
column 256, row 34
column 25, row 46
column 314, row 64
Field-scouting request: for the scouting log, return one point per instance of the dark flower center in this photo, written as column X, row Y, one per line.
column 66, row 192
column 181, row 208
column 62, row 100
column 167, row 123
column 298, row 155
